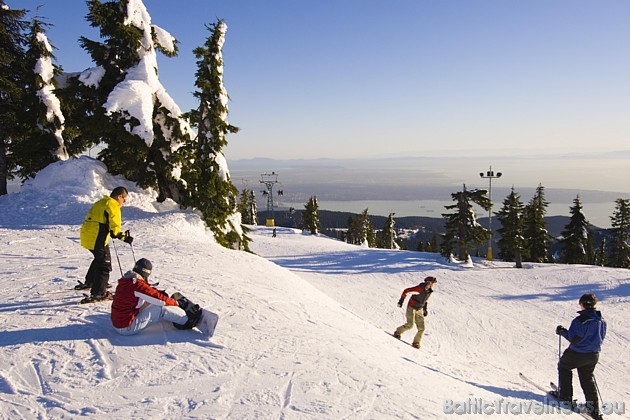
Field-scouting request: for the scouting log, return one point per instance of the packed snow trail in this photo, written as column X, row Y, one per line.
column 301, row 330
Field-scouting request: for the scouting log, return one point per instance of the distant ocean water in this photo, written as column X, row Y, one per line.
column 597, row 214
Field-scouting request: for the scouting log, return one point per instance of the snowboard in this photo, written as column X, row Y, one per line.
column 207, row 321
column 401, row 340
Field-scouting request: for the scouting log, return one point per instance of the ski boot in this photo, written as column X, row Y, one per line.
column 97, row 298
column 82, row 286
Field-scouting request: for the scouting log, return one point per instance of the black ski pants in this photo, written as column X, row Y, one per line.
column 585, row 364
column 98, row 274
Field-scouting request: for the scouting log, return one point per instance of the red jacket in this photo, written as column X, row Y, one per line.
column 418, row 300
column 131, row 293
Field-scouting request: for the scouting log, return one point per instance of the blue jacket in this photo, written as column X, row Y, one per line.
column 586, row 332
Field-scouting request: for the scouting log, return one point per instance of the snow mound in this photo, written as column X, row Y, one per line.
column 63, row 192
column 303, row 324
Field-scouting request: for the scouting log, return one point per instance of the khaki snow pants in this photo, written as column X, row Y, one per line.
column 413, row 316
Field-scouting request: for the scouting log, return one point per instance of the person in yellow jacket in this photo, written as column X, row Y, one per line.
column 102, row 221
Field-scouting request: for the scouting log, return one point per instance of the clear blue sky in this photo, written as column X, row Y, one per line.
column 343, row 78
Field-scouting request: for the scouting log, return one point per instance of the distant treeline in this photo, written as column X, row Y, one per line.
column 331, row 220
column 423, row 228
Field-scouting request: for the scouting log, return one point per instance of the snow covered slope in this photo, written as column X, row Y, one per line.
column 303, row 323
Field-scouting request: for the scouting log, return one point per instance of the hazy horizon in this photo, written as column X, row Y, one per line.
column 421, row 186
column 583, row 173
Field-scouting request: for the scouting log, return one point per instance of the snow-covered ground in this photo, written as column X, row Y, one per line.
column 303, row 323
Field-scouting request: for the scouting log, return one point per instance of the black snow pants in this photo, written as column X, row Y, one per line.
column 585, row 364
column 98, row 274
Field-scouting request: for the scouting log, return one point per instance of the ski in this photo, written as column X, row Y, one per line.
column 88, row 299
column 554, row 387
column 74, row 289
column 55, row 292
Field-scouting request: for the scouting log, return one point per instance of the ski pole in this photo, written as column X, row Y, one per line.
column 116, row 252
column 133, row 253
column 598, row 391
column 559, row 356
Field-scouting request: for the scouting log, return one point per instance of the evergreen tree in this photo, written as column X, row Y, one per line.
column 310, row 216
column 601, row 257
column 42, row 118
column 462, row 229
column 367, row 236
column 361, row 230
column 353, row 235
column 591, row 252
column 512, row 242
column 13, row 40
column 536, row 234
column 386, row 238
column 449, row 241
column 620, row 222
column 208, row 179
column 435, row 243
column 247, row 207
column 122, row 104
column 575, row 241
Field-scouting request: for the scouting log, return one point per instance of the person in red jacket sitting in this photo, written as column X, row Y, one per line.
column 416, row 309
column 137, row 304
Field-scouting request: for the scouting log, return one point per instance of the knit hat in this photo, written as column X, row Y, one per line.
column 143, row 267
column 430, row 279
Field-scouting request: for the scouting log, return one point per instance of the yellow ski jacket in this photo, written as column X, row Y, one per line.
column 103, row 217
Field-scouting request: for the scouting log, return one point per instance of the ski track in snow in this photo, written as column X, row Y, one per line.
column 81, row 355
column 302, row 324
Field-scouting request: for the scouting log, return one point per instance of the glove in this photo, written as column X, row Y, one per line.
column 128, row 238
column 400, row 302
column 560, row 329
column 425, row 312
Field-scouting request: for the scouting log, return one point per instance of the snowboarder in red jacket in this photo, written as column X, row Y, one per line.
column 137, row 304
column 416, row 309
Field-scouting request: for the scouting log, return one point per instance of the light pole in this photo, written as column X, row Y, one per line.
column 490, row 175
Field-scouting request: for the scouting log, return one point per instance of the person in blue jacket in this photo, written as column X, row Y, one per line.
column 586, row 335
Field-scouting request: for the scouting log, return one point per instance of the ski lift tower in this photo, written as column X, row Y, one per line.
column 269, row 180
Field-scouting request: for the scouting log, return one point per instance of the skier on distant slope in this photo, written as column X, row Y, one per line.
column 416, row 309
column 102, row 221
column 137, row 304
column 586, row 335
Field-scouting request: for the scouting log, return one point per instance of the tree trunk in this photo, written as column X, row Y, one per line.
column 4, row 167
column 519, row 260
